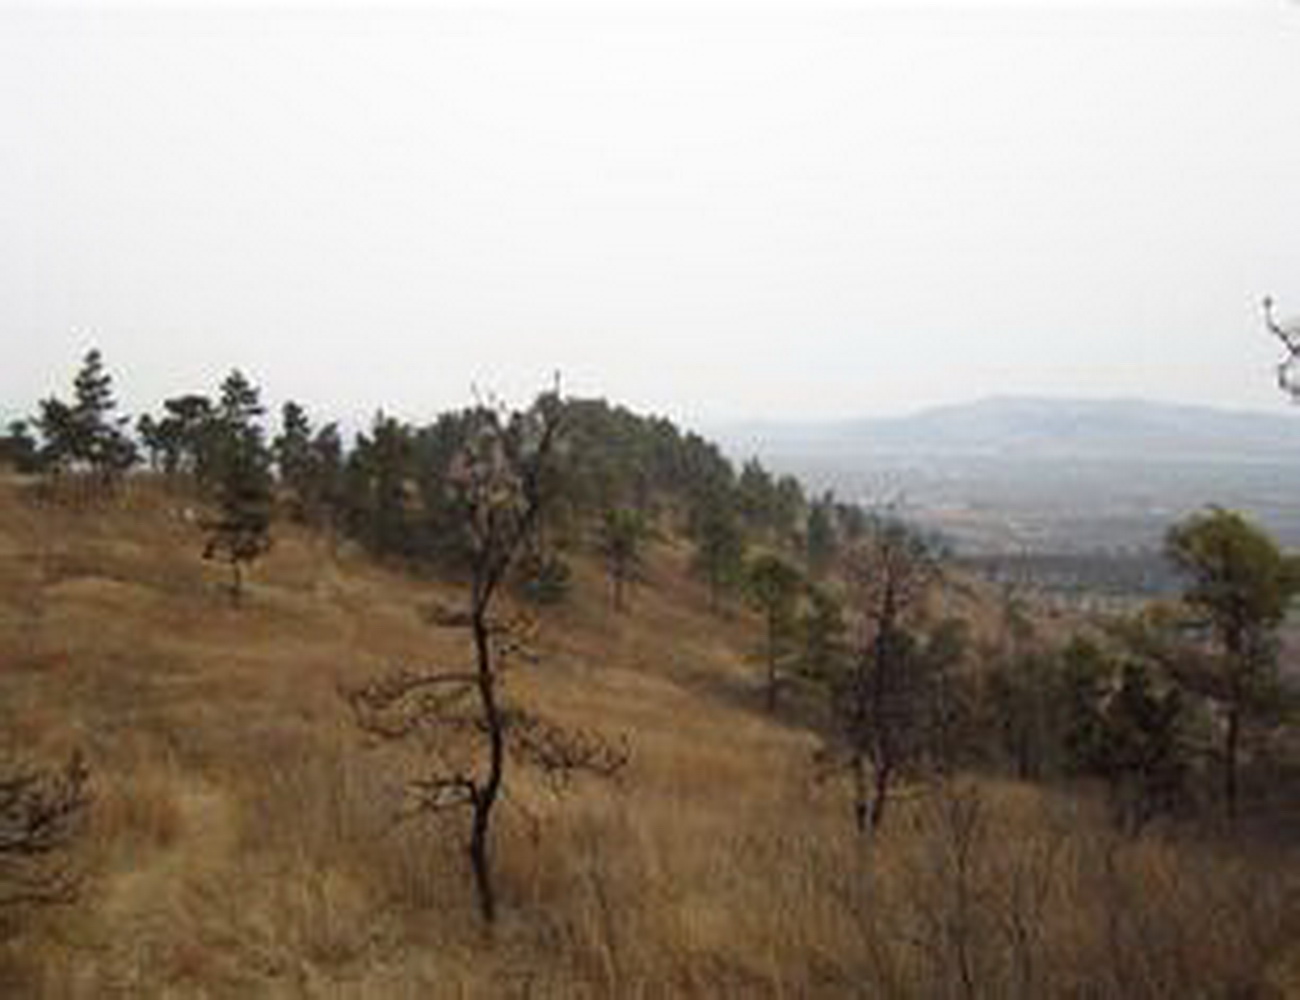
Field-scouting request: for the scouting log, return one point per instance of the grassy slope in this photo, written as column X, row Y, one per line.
column 242, row 841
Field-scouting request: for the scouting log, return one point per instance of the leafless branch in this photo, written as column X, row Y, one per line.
column 1289, row 336
column 561, row 753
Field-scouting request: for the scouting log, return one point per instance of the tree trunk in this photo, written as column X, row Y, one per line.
column 883, row 773
column 771, row 664
column 481, row 864
column 860, row 793
column 1238, row 656
column 485, row 795
column 882, row 757
column 1230, row 760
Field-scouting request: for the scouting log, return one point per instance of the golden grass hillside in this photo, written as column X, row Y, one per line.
column 242, row 841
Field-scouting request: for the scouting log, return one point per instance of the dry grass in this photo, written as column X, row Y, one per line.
column 243, row 842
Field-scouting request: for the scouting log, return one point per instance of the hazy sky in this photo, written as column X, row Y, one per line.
column 726, row 210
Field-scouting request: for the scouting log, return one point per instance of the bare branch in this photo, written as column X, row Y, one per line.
column 560, row 753
column 1289, row 336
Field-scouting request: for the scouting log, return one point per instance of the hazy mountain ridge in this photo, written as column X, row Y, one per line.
column 1031, row 426
column 1038, row 474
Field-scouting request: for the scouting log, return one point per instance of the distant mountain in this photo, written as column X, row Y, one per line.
column 1025, row 427
column 1047, row 475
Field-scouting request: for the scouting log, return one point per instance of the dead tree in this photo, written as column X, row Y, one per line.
column 1288, row 333
column 459, row 714
column 41, row 812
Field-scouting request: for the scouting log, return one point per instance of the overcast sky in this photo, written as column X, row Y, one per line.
column 715, row 211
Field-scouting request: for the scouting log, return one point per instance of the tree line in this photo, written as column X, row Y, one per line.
column 621, row 480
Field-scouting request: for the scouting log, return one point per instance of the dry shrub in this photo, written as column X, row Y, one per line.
column 994, row 900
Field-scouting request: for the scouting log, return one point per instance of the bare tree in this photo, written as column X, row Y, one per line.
column 497, row 479
column 1288, row 333
column 41, row 812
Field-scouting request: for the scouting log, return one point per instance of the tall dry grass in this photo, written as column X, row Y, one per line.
column 244, row 841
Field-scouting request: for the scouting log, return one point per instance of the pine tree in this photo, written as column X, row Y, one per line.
column 1240, row 585
column 20, row 449
column 497, row 476
column 820, row 543
column 756, row 495
column 622, row 532
column 1142, row 759
column 773, row 586
column 719, row 547
column 822, row 630
column 327, row 478
column 182, row 441
column 1084, row 679
column 242, row 481
column 292, row 449
column 85, row 434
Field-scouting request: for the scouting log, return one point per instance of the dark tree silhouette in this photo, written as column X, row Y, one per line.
column 180, row 442
column 1288, row 334
column 19, row 448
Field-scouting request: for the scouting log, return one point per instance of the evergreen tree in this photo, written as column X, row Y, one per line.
column 294, row 458
column 85, row 434
column 822, row 630
column 242, row 480
column 148, row 431
column 1239, row 587
column 20, row 449
column 388, row 453
column 820, row 541
column 774, row 590
column 1084, row 683
column 787, row 508
column 1020, row 691
column 1141, row 757
column 944, row 711
column 756, row 496
column 327, row 478
column 622, row 533
column 719, row 547
column 181, row 441
column 497, row 476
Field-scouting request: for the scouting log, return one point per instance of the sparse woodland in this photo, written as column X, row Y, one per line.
column 557, row 702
